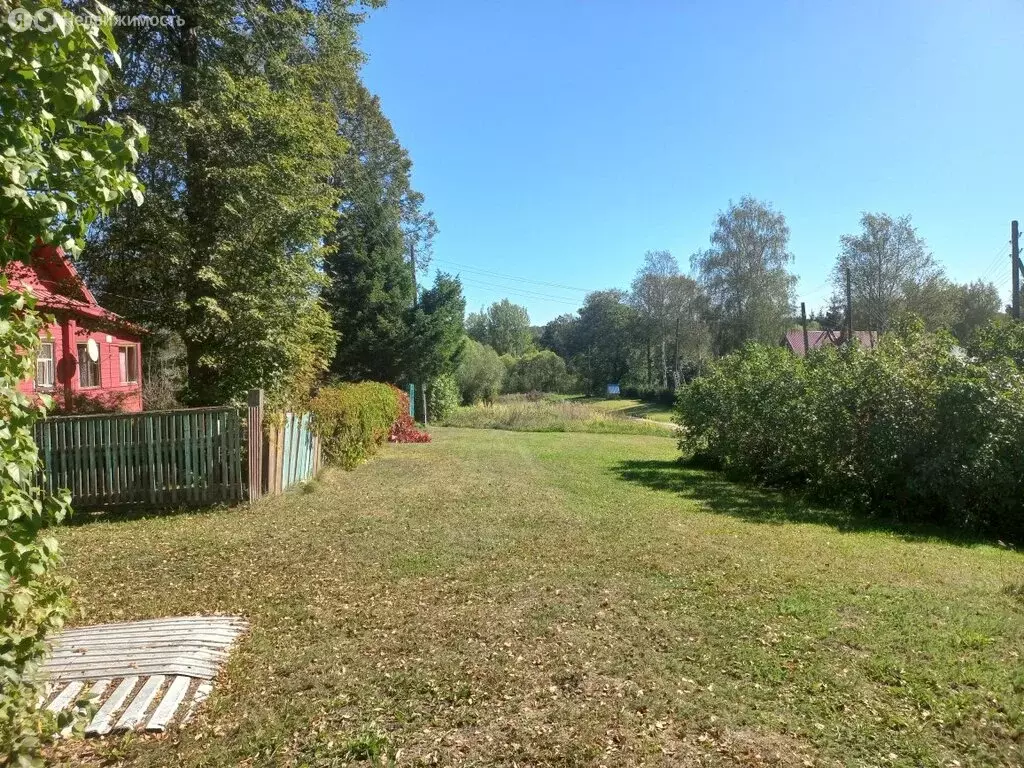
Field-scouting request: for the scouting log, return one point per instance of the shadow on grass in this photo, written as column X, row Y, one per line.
column 128, row 513
column 772, row 507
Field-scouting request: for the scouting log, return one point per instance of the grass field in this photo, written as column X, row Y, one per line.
column 503, row 598
column 554, row 413
column 637, row 409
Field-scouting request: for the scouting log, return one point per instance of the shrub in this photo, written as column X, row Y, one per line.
column 538, row 371
column 353, row 420
column 480, row 373
column 914, row 429
column 69, row 167
column 404, row 429
column 443, row 398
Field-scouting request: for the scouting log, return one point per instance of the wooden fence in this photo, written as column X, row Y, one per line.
column 283, row 453
column 193, row 456
column 157, row 458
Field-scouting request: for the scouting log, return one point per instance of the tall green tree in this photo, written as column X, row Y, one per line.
column 745, row 274
column 480, row 373
column 419, row 228
column 977, row 305
column 891, row 272
column 244, row 144
column 671, row 316
column 60, row 168
column 371, row 282
column 602, row 342
column 504, row 326
column 437, row 332
column 557, row 335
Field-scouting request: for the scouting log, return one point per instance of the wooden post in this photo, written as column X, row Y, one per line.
column 803, row 322
column 255, row 444
column 1015, row 265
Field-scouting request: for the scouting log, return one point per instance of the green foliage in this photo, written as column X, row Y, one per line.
column 371, row 287
column 891, row 272
column 504, row 326
column 602, row 341
column 746, row 275
column 480, row 373
column 354, row 420
column 61, row 169
column 1003, row 338
column 229, row 249
column 444, row 397
column 913, row 430
column 671, row 322
column 436, row 328
column 539, row 372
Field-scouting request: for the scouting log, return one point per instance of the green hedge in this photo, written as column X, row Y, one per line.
column 353, row 420
column 916, row 429
column 444, row 397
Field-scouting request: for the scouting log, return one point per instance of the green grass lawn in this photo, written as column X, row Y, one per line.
column 634, row 408
column 504, row 598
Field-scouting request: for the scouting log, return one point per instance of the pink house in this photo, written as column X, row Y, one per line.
column 90, row 358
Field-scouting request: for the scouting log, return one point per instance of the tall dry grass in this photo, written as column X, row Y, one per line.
column 551, row 416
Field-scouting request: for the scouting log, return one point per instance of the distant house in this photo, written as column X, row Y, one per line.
column 817, row 339
column 89, row 357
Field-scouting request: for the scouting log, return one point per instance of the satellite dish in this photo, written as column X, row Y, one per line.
column 93, row 350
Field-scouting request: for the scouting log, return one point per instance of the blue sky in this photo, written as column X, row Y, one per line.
column 558, row 141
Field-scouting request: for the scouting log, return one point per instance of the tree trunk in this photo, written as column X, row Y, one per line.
column 664, row 364
column 198, row 384
column 650, row 372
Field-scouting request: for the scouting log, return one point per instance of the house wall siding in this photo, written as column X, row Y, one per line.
column 111, row 392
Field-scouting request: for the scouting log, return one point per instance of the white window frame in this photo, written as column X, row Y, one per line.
column 129, row 351
column 46, row 382
column 83, row 361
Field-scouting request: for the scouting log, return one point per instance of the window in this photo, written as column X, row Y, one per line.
column 128, row 357
column 88, row 371
column 44, row 366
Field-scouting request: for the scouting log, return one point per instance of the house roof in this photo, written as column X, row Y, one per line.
column 817, row 339
column 57, row 286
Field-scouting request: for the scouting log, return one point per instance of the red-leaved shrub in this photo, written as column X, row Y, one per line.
column 404, row 430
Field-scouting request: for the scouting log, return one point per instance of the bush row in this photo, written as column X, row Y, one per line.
column 916, row 429
column 353, row 420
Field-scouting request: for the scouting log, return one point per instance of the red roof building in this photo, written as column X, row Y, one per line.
column 90, row 358
column 817, row 339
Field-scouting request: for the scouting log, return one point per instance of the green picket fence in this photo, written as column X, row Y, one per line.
column 156, row 458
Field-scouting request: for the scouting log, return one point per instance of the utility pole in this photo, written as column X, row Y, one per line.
column 849, row 307
column 1015, row 265
column 415, row 303
column 803, row 322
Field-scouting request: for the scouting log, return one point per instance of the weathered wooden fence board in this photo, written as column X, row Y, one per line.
column 159, row 458
column 291, row 453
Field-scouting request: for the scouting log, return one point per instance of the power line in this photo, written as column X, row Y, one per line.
column 489, row 273
column 997, row 263
column 522, row 292
column 812, row 291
